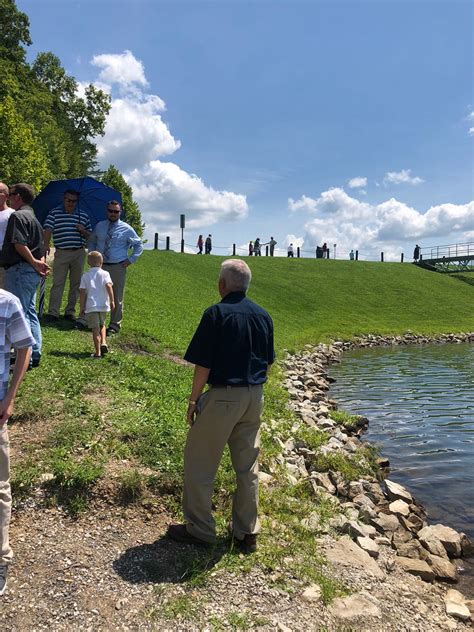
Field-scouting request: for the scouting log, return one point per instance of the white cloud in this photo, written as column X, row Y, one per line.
column 471, row 131
column 135, row 133
column 401, row 177
column 123, row 69
column 355, row 183
column 136, row 137
column 391, row 226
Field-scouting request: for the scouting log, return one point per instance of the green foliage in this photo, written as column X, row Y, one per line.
column 22, row 158
column 132, row 486
column 113, row 178
column 15, row 31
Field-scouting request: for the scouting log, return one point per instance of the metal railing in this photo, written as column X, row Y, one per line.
column 449, row 251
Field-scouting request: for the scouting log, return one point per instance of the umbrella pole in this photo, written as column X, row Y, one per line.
column 42, row 293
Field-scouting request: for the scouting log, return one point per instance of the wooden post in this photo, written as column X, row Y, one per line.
column 156, row 241
column 381, row 257
column 233, row 250
column 182, row 245
column 167, row 243
column 357, row 255
column 401, row 258
column 298, row 252
column 266, row 251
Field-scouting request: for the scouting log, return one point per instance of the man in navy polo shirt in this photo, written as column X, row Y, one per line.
column 232, row 351
column 70, row 228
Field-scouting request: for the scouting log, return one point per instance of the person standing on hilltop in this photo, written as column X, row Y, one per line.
column 200, row 244
column 272, row 243
column 5, row 212
column 250, row 248
column 416, row 253
column 114, row 239
column 208, row 245
column 290, row 251
column 256, row 248
column 232, row 350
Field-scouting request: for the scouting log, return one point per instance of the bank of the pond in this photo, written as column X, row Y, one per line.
column 374, row 516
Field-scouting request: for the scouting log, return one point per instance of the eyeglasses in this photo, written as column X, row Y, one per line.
column 70, row 200
column 113, row 210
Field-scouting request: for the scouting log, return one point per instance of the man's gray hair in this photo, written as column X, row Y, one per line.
column 236, row 274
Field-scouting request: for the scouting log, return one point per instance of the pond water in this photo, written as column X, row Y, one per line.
column 420, row 404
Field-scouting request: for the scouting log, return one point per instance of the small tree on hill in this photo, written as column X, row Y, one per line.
column 113, row 178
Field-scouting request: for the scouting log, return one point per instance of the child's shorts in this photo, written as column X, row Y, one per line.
column 96, row 320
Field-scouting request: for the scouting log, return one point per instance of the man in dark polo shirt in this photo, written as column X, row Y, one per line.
column 23, row 258
column 70, row 228
column 232, row 350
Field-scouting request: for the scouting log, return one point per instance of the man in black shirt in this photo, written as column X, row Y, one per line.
column 232, row 350
column 23, row 258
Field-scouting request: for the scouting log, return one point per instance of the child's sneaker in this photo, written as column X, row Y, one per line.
column 103, row 350
column 93, row 356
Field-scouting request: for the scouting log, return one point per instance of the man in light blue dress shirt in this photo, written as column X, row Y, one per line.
column 114, row 239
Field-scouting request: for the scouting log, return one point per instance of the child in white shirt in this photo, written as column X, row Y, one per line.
column 97, row 298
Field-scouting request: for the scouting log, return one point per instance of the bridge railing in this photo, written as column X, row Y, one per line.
column 448, row 251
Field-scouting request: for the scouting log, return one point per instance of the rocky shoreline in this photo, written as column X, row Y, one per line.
column 380, row 522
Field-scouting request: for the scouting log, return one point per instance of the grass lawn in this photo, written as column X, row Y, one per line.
column 84, row 416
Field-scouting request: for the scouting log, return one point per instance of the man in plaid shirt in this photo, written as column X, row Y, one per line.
column 14, row 332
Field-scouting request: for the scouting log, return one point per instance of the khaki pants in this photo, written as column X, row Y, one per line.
column 6, row 553
column 66, row 262
column 226, row 416
column 118, row 274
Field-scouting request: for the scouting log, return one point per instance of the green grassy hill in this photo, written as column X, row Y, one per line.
column 310, row 300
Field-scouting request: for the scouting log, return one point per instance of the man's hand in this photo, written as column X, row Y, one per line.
column 41, row 267
column 125, row 263
column 191, row 414
column 6, row 410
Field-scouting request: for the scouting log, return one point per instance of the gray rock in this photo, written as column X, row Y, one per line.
column 359, row 606
column 355, row 529
column 458, row 610
column 431, row 542
column 467, row 546
column 397, row 492
column 385, row 522
column 442, row 567
column 412, row 549
column 399, row 508
column 312, row 594
column 449, row 538
column 416, row 567
column 344, row 552
column 322, row 479
column 369, row 546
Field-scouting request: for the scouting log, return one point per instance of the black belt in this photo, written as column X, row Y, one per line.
column 233, row 385
column 79, row 248
column 116, row 263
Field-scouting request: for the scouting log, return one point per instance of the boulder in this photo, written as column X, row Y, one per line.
column 399, row 508
column 467, row 546
column 344, row 552
column 419, row 568
column 412, row 549
column 322, row 479
column 449, row 538
column 397, row 492
column 359, row 606
column 369, row 546
column 442, row 568
column 355, row 529
column 385, row 522
column 312, row 594
column 432, row 543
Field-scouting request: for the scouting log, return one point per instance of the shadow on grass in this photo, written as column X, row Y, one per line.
column 165, row 561
column 68, row 354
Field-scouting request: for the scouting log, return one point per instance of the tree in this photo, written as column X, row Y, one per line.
column 113, row 178
column 15, row 31
column 23, row 158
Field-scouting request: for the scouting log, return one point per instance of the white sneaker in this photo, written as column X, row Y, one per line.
column 3, row 578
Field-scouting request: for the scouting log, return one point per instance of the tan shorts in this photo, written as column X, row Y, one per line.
column 96, row 320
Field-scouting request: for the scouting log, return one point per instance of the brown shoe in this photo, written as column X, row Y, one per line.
column 248, row 544
column 179, row 533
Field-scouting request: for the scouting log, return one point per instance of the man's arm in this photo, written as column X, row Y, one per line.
column 83, row 230
column 41, row 267
column 136, row 244
column 21, row 365
column 110, row 292
column 201, row 375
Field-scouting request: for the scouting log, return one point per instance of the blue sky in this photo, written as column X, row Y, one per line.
column 273, row 107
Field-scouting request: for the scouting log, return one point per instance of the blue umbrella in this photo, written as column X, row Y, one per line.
column 93, row 198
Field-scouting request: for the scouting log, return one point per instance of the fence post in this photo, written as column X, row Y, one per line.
column 401, row 258
column 381, row 257
column 156, row 241
column 167, row 243
column 266, row 251
column 233, row 250
column 182, row 245
column 298, row 252
column 357, row 255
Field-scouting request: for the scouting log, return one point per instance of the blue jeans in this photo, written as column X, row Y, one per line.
column 22, row 280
